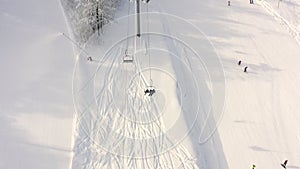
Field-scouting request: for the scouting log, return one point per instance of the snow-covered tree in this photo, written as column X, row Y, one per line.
column 88, row 16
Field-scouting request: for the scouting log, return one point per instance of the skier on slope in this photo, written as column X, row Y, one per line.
column 284, row 164
column 240, row 62
column 90, row 58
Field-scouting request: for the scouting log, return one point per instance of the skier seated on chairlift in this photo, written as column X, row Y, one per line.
column 150, row 92
column 90, row 59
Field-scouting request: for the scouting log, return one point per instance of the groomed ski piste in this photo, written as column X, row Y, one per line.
column 121, row 126
column 205, row 113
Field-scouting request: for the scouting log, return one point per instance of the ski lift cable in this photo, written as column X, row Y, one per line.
column 128, row 20
column 125, row 95
column 148, row 46
column 139, row 63
column 126, row 53
column 128, row 58
column 142, row 78
column 76, row 44
column 137, row 44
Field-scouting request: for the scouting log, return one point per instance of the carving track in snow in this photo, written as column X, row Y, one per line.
column 124, row 125
column 292, row 28
column 118, row 126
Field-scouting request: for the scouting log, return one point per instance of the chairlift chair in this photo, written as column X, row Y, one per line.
column 146, row 1
column 127, row 57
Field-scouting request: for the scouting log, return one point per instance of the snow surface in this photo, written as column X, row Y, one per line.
column 36, row 65
column 287, row 12
column 115, row 124
column 256, row 127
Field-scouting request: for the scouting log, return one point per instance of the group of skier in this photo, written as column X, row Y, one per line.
column 150, row 92
column 245, row 68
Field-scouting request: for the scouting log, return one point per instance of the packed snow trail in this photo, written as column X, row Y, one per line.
column 36, row 68
column 110, row 124
column 292, row 27
column 118, row 126
column 260, row 122
column 261, row 118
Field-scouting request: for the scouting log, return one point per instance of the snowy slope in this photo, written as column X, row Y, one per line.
column 288, row 9
column 118, row 126
column 36, row 64
column 260, row 120
column 287, row 13
column 191, row 44
column 260, row 124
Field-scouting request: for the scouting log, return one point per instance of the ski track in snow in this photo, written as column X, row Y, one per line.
column 107, row 122
column 109, row 133
column 261, row 122
column 292, row 28
column 102, row 141
column 176, row 158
